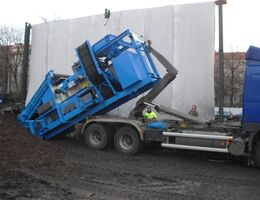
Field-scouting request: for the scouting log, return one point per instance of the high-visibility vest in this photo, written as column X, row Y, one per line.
column 151, row 115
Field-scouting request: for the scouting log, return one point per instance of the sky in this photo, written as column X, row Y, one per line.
column 241, row 17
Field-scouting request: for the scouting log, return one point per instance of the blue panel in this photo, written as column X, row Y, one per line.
column 251, row 101
column 128, row 68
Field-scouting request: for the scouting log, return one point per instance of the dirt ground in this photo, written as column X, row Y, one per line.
column 31, row 168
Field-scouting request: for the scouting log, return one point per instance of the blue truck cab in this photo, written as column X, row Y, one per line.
column 251, row 100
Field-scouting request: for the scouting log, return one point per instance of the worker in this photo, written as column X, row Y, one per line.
column 194, row 111
column 150, row 115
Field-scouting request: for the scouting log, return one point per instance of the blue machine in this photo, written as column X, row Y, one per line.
column 111, row 72
column 251, row 107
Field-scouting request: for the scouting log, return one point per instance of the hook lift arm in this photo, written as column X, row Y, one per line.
column 153, row 93
column 146, row 100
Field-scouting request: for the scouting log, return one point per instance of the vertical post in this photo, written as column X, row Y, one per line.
column 25, row 60
column 221, row 59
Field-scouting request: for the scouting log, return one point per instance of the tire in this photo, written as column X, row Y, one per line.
column 257, row 154
column 127, row 140
column 97, row 136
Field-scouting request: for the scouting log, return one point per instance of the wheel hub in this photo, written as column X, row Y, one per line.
column 126, row 142
column 95, row 137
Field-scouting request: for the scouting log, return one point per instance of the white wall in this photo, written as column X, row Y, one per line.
column 184, row 34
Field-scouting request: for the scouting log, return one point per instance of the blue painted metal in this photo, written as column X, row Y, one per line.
column 157, row 125
column 251, row 101
column 113, row 71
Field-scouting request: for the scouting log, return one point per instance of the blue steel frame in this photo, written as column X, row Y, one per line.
column 110, row 47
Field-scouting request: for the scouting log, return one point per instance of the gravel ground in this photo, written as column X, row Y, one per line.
column 31, row 168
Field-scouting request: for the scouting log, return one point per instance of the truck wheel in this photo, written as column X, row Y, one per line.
column 97, row 136
column 257, row 154
column 127, row 140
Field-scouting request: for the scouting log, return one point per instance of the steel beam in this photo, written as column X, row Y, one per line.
column 200, row 136
column 221, row 59
column 197, row 148
column 26, row 53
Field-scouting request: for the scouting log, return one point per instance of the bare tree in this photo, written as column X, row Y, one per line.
column 234, row 67
column 234, row 76
column 11, row 50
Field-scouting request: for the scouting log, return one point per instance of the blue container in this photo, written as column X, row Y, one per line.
column 111, row 72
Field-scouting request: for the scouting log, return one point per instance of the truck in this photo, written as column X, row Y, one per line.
column 119, row 68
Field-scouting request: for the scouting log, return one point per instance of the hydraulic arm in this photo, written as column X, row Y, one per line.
column 156, row 90
column 145, row 101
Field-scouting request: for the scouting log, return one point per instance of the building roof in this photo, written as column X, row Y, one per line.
column 232, row 56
